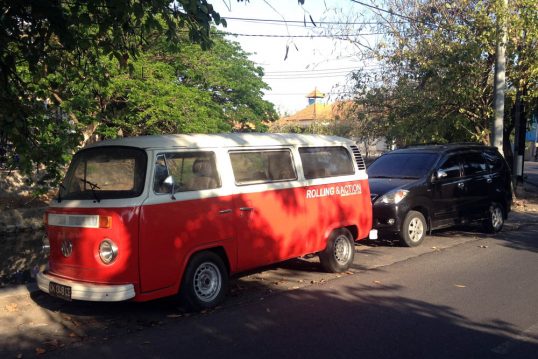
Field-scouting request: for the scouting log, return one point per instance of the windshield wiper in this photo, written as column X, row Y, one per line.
column 93, row 186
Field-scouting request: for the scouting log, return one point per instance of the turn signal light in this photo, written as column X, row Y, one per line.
column 105, row 222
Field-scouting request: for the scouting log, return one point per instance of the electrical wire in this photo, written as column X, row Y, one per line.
column 337, row 36
column 284, row 22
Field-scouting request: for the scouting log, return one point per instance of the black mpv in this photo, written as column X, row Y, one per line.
column 419, row 189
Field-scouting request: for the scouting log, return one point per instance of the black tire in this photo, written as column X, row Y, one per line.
column 413, row 230
column 495, row 221
column 205, row 282
column 339, row 253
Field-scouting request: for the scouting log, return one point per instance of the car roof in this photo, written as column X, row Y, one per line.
column 444, row 148
column 224, row 140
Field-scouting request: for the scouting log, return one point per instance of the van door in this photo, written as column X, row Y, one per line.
column 182, row 216
column 269, row 206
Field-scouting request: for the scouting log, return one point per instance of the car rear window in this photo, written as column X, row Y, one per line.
column 402, row 165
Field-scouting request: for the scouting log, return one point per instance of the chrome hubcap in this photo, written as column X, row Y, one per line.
column 496, row 217
column 207, row 282
column 415, row 230
column 342, row 250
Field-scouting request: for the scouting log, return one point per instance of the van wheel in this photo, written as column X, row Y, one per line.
column 413, row 229
column 339, row 253
column 495, row 221
column 205, row 282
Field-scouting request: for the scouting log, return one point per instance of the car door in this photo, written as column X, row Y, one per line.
column 476, row 181
column 448, row 189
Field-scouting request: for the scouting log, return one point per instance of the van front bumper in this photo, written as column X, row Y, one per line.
column 88, row 291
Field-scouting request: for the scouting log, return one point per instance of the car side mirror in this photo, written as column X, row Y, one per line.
column 440, row 174
column 169, row 182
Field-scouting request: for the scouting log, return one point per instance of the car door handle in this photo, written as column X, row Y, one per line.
column 489, row 180
column 461, row 185
column 246, row 209
column 224, row 211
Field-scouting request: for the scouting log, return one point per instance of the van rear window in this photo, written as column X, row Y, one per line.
column 262, row 166
column 321, row 162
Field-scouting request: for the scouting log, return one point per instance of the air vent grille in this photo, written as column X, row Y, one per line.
column 358, row 157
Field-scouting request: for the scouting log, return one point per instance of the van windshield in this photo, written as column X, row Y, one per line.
column 105, row 173
column 402, row 165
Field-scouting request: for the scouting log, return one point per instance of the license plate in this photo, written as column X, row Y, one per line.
column 60, row 291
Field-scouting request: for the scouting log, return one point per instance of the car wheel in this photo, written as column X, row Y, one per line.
column 339, row 253
column 413, row 229
column 205, row 281
column 495, row 221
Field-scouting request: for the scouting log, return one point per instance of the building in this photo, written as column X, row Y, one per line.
column 321, row 117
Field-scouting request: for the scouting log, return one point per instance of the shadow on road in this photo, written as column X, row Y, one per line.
column 356, row 321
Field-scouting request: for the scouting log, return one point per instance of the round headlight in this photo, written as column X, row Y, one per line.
column 108, row 251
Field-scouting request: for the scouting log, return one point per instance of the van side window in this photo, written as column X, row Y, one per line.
column 262, row 166
column 191, row 171
column 320, row 162
column 451, row 167
column 474, row 163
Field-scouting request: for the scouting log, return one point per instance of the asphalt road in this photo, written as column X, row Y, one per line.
column 461, row 295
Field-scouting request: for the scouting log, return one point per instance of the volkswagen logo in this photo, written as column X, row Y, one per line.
column 67, row 247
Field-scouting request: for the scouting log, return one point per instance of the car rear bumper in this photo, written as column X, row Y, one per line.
column 88, row 291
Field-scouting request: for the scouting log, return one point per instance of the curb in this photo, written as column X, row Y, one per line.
column 18, row 290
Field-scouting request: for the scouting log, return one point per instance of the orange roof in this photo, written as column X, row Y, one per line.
column 315, row 94
column 318, row 112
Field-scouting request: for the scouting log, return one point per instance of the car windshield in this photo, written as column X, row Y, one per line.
column 105, row 173
column 402, row 165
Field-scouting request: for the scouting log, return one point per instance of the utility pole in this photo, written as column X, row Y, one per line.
column 500, row 82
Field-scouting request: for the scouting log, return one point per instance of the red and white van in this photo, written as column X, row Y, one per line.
column 147, row 217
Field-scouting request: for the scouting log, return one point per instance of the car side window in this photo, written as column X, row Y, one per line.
column 473, row 164
column 494, row 160
column 451, row 167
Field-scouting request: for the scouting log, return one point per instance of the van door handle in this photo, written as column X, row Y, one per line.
column 246, row 209
column 224, row 211
column 461, row 185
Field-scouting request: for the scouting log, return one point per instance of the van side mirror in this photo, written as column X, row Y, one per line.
column 169, row 182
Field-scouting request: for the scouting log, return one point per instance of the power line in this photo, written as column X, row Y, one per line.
column 340, row 36
column 303, row 94
column 411, row 19
column 338, row 69
column 310, row 71
column 277, row 21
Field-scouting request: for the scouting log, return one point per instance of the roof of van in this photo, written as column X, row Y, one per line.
column 223, row 140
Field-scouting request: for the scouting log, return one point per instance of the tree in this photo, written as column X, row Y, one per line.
column 179, row 89
column 70, row 68
column 436, row 80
